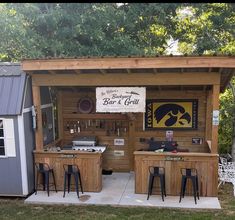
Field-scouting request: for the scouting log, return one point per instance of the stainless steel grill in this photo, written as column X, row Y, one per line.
column 87, row 143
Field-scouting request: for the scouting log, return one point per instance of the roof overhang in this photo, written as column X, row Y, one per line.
column 224, row 65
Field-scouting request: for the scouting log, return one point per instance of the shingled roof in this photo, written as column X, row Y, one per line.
column 12, row 83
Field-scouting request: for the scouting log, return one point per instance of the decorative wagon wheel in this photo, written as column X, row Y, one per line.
column 85, row 105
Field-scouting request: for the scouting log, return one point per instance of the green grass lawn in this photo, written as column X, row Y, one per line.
column 16, row 209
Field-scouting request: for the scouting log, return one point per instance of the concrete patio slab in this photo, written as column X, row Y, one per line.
column 118, row 189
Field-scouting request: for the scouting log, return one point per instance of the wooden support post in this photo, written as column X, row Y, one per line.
column 37, row 105
column 208, row 115
column 131, row 143
column 215, row 106
column 60, row 117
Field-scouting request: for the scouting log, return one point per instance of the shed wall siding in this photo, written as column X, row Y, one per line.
column 11, row 94
column 10, row 169
column 29, row 146
column 28, row 96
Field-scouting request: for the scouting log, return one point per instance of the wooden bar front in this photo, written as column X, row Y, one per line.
column 205, row 163
column 89, row 163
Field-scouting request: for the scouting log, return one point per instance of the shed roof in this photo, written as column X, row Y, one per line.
column 12, row 83
column 10, row 69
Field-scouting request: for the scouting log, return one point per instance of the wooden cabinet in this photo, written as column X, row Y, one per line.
column 205, row 163
column 89, row 163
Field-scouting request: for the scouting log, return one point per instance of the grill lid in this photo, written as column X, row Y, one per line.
column 85, row 141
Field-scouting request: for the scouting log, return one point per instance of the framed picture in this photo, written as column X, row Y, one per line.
column 197, row 141
column 171, row 114
column 119, row 141
column 85, row 105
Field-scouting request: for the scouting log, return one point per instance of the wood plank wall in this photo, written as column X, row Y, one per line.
column 70, row 114
column 90, row 126
column 183, row 137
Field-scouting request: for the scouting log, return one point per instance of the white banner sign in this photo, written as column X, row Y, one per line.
column 120, row 99
column 215, row 119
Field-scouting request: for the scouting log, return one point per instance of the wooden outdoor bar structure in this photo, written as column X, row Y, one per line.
column 169, row 77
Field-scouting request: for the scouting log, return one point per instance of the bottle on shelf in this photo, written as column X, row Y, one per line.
column 78, row 128
column 118, row 132
column 71, row 129
column 67, row 126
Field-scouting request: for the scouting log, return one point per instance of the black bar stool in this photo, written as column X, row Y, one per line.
column 157, row 172
column 189, row 173
column 72, row 169
column 45, row 170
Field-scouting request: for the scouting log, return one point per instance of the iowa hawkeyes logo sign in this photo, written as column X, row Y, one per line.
column 171, row 114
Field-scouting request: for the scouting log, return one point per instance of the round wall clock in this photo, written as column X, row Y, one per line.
column 85, row 105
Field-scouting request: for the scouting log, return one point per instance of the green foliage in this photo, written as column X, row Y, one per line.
column 65, row 29
column 227, row 118
column 205, row 28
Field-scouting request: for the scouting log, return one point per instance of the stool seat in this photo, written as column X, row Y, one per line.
column 45, row 170
column 189, row 173
column 156, row 172
column 72, row 169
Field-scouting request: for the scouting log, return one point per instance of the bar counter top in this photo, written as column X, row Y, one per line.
column 191, row 154
column 66, row 152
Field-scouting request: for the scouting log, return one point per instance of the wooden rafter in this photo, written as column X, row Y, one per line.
column 103, row 71
column 155, row 71
column 202, row 78
column 53, row 72
column 77, row 71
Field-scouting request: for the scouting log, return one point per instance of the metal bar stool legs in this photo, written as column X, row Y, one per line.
column 183, row 185
column 64, row 184
column 53, row 175
column 192, row 175
column 47, row 181
column 197, row 188
column 151, row 178
column 72, row 170
column 157, row 172
column 44, row 170
column 79, row 176
column 76, row 183
column 162, row 187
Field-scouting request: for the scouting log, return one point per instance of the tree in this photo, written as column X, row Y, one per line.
column 206, row 28
column 62, row 29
